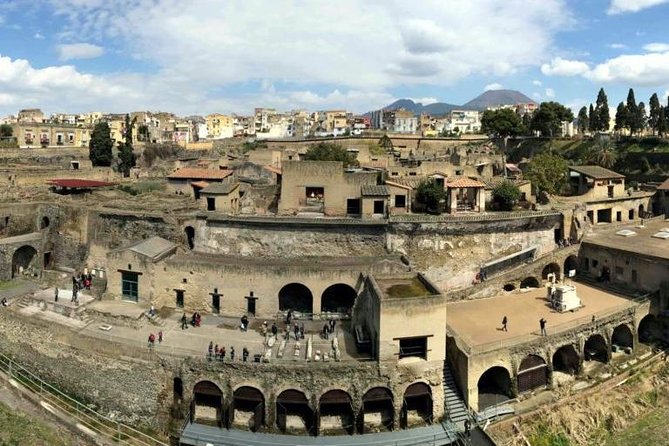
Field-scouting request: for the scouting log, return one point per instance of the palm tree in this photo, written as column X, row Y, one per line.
column 603, row 155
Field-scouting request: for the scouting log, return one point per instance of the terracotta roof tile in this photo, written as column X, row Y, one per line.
column 199, row 174
column 464, row 182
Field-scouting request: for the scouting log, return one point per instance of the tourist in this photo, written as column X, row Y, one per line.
column 221, row 353
column 193, row 319
column 264, row 328
column 245, row 354
column 542, row 324
column 55, row 294
column 289, row 317
column 184, row 322
column 302, row 330
column 245, row 323
column 332, row 323
column 210, row 349
column 4, row 302
column 468, row 428
column 326, row 331
column 216, row 351
column 275, row 329
column 198, row 319
column 232, row 353
column 296, row 331
column 152, row 311
column 504, row 322
column 152, row 339
column 160, row 337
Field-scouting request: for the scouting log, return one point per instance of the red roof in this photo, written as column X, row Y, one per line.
column 665, row 185
column 195, row 173
column 201, row 184
column 273, row 169
column 74, row 183
column 464, row 183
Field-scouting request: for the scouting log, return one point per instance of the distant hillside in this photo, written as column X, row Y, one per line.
column 435, row 109
column 487, row 99
column 492, row 98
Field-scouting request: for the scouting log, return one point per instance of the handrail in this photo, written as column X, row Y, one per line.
column 96, row 422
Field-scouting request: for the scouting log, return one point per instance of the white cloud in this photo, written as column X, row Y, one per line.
column 563, row 67
column 536, row 95
column 617, row 46
column 38, row 36
column 536, row 83
column 493, row 86
column 426, row 100
column 622, row 6
column 650, row 69
column 79, row 51
column 550, row 93
column 234, row 42
column 656, row 47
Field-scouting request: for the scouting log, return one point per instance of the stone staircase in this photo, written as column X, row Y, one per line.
column 155, row 319
column 457, row 411
column 22, row 302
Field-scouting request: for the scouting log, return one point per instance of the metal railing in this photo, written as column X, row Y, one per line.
column 99, row 424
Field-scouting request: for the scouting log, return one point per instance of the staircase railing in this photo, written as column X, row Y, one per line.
column 99, row 424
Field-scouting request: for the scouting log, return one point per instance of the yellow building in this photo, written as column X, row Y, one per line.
column 335, row 120
column 30, row 135
column 219, row 126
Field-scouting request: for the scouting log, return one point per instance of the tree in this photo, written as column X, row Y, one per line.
column 621, row 117
column 501, row 123
column 387, row 144
column 6, row 131
column 126, row 155
column 640, row 118
column 654, row 113
column 603, row 155
column 662, row 124
column 548, row 173
column 430, row 194
column 632, row 113
column 143, row 132
column 549, row 117
column 602, row 111
column 583, row 120
column 100, row 146
column 592, row 119
column 506, row 195
column 328, row 151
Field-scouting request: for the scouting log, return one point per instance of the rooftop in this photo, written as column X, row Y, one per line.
column 76, row 183
column 374, row 190
column 200, row 174
column 396, row 288
column 478, row 322
column 464, row 182
column 664, row 185
column 154, row 248
column 641, row 242
column 220, row 188
column 596, row 172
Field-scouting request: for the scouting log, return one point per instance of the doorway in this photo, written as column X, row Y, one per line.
column 251, row 304
column 211, row 203
column 179, row 298
column 47, row 259
column 215, row 303
column 379, row 206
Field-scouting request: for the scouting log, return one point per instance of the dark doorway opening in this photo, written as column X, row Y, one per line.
column 48, row 259
column 338, row 298
column 509, row 287
column 335, row 413
column 551, row 268
column 376, row 413
column 177, row 388
column 296, row 297
column 248, row 409
column 207, row 404
column 595, row 349
column 23, row 260
column 622, row 337
column 211, row 203
column 215, row 301
column 353, row 206
column 649, row 329
column 44, row 223
column 251, row 304
column 565, row 360
column 417, row 406
column 570, row 266
column 494, row 387
column 293, row 413
column 532, row 373
column 379, row 206
column 179, row 298
column 529, row 282
column 604, row 216
column 190, row 236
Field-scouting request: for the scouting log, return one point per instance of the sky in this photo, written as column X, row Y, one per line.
column 206, row 56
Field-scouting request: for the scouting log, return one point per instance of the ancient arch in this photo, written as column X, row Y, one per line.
column 296, row 297
column 566, row 360
column 207, row 404
column 509, row 287
column 529, row 282
column 551, row 268
column 377, row 401
column 23, row 258
column 570, row 264
column 494, row 387
column 338, row 298
column 641, row 211
column 595, row 349
column 294, row 413
column 417, row 406
column 622, row 336
column 190, row 236
column 44, row 223
column 248, row 408
column 532, row 373
column 649, row 329
column 335, row 413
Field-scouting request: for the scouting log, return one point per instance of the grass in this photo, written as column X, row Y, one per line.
column 142, row 188
column 8, row 284
column 17, row 429
column 412, row 288
column 650, row 430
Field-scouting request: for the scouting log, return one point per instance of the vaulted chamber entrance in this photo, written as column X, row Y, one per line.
column 207, row 404
column 376, row 413
column 247, row 410
column 532, row 373
column 417, row 406
column 294, row 415
column 296, row 297
column 335, row 413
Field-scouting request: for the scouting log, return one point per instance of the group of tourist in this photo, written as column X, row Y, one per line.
column 219, row 354
column 328, row 329
column 481, row 276
column 195, row 320
column 152, row 339
column 542, row 325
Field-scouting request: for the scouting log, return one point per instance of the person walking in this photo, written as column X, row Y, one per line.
column 232, row 353
column 542, row 324
column 152, row 339
column 221, row 353
column 504, row 322
column 160, row 337
column 210, row 349
column 55, row 294
column 184, row 322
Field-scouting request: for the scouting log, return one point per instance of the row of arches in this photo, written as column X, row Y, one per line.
column 570, row 264
column 495, row 384
column 337, row 298
column 334, row 412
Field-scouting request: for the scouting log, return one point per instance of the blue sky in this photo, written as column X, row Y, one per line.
column 205, row 56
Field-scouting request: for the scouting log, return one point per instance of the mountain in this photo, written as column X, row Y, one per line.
column 487, row 99
column 434, row 109
column 491, row 98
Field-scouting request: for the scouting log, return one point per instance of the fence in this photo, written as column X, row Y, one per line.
column 96, row 422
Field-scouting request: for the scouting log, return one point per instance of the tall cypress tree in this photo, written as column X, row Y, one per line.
column 583, row 120
column 640, row 117
column 126, row 155
column 592, row 120
column 662, row 122
column 621, row 117
column 100, row 146
column 654, row 112
column 602, row 110
column 632, row 112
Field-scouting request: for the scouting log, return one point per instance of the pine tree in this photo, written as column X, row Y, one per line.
column 100, row 146
column 583, row 120
column 126, row 155
column 662, row 124
column 654, row 113
column 592, row 120
column 602, row 110
column 632, row 112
